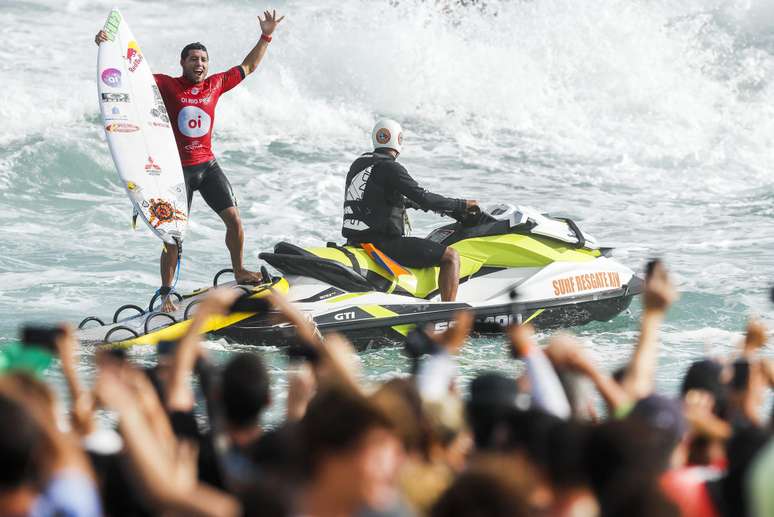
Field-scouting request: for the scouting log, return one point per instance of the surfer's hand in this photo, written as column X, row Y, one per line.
column 270, row 22
column 659, row 293
column 100, row 37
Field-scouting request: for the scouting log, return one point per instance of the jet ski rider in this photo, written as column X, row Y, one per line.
column 375, row 202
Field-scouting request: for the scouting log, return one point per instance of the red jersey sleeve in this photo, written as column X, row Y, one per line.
column 230, row 78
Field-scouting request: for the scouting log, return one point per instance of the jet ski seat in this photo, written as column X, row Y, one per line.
column 293, row 260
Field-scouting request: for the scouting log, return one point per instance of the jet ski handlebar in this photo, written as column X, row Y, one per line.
column 472, row 216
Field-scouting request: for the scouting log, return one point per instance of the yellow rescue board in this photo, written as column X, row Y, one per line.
column 177, row 330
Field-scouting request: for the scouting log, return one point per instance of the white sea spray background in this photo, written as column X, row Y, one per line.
column 649, row 122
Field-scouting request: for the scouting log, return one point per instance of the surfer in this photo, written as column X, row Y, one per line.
column 376, row 190
column 190, row 101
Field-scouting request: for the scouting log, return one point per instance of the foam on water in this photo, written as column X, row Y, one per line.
column 651, row 122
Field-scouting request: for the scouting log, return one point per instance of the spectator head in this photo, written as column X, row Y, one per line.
column 244, row 390
column 34, row 391
column 565, row 443
column 351, row 450
column 707, row 375
column 492, row 397
column 620, row 462
column 484, row 491
column 19, row 438
column 399, row 400
column 663, row 417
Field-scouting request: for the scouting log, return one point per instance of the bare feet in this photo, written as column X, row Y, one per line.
column 245, row 277
column 167, row 305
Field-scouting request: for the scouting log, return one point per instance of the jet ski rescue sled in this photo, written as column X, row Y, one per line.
column 517, row 266
column 135, row 325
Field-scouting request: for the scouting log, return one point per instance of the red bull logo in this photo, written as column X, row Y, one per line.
column 133, row 55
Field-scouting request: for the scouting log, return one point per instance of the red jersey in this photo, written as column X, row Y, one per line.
column 191, row 109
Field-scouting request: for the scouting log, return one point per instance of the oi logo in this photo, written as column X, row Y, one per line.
column 193, row 122
column 112, row 77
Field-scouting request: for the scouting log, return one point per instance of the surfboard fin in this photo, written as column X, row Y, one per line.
column 135, row 213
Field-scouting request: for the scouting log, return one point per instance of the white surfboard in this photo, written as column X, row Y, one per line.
column 139, row 133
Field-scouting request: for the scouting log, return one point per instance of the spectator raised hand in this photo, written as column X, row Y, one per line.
column 658, row 296
column 566, row 352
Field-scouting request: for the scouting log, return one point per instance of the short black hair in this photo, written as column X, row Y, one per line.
column 335, row 422
column 245, row 389
column 192, row 46
column 20, row 435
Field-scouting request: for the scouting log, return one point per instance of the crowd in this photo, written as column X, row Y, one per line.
column 562, row 439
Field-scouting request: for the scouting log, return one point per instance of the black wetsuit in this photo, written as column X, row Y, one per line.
column 212, row 184
column 375, row 209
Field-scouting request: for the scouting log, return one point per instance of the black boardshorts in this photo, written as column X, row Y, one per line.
column 411, row 251
column 211, row 183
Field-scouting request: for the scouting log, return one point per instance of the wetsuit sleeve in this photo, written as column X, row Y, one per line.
column 400, row 180
column 230, row 78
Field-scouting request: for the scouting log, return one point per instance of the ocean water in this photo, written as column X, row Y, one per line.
column 650, row 122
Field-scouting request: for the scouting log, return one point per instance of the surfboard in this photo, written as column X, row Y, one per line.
column 139, row 133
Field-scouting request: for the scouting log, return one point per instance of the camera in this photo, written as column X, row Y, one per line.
column 300, row 352
column 41, row 336
column 247, row 304
column 419, row 343
column 167, row 347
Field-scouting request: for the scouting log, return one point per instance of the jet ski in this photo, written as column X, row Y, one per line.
column 516, row 266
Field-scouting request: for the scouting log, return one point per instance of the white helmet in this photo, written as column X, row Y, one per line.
column 387, row 133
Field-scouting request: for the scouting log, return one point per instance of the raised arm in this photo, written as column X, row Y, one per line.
column 659, row 294
column 547, row 391
column 254, row 57
column 67, row 347
column 179, row 393
column 564, row 351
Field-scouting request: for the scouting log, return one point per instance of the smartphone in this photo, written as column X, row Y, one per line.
column 651, row 267
column 246, row 304
column 119, row 354
column 42, row 336
column 166, row 347
column 300, row 352
column 418, row 343
column 487, row 327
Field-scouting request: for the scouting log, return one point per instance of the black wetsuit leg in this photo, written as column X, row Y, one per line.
column 212, row 184
column 411, row 251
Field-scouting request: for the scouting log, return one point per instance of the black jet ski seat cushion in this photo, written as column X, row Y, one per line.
column 292, row 260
